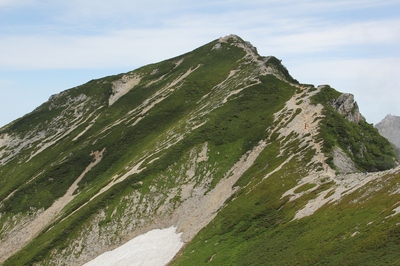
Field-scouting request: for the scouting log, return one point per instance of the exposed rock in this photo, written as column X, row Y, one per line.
column 122, row 86
column 346, row 105
column 343, row 162
column 343, row 185
column 389, row 127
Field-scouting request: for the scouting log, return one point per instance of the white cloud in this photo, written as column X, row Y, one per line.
column 374, row 82
column 15, row 3
column 122, row 48
column 335, row 40
column 325, row 38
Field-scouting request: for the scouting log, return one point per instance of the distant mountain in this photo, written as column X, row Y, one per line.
column 220, row 148
column 389, row 127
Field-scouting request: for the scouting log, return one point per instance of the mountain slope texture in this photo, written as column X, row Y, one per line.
column 249, row 166
column 389, row 127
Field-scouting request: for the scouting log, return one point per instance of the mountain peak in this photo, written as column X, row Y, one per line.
column 220, row 145
column 389, row 127
column 389, row 120
column 239, row 42
column 230, row 37
column 266, row 64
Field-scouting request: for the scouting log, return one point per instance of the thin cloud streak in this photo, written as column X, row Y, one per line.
column 123, row 46
column 324, row 39
column 367, row 79
column 319, row 41
column 15, row 3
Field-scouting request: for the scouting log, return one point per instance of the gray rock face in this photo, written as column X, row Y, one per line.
column 346, row 105
column 389, row 127
column 343, row 162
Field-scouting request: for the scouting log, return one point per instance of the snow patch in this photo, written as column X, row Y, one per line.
column 154, row 248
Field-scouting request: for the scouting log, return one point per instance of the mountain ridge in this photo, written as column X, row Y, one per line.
column 389, row 128
column 180, row 143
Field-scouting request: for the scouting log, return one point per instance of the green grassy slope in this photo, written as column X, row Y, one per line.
column 362, row 142
column 257, row 228
column 223, row 102
column 235, row 127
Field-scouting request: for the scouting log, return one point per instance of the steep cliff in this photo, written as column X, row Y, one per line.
column 346, row 106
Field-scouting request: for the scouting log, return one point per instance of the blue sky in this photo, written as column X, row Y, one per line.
column 48, row 46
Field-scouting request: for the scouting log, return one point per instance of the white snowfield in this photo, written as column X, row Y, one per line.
column 154, row 248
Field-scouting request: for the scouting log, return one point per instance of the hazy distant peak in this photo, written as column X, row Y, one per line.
column 389, row 127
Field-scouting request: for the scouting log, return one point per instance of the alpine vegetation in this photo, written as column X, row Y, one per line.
column 220, row 150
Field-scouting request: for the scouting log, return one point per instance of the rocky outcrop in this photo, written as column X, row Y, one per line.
column 343, row 162
column 346, row 105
